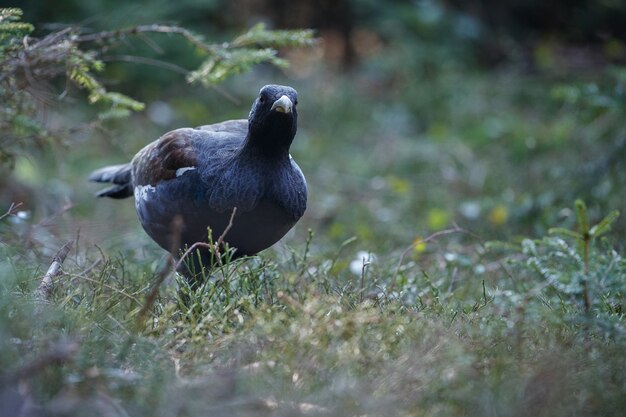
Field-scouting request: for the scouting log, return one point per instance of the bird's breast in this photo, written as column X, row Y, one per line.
column 182, row 211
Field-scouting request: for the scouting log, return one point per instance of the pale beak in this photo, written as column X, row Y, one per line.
column 283, row 105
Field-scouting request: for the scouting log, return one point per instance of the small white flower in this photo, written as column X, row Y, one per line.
column 362, row 258
column 470, row 210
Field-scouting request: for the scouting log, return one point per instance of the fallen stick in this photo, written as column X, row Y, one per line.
column 44, row 290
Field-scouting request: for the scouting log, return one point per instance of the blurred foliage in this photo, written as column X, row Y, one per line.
column 29, row 65
column 254, row 47
column 297, row 336
column 575, row 20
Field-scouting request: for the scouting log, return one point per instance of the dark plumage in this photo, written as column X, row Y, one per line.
column 198, row 175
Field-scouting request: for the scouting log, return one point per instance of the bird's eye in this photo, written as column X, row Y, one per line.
column 262, row 99
column 295, row 103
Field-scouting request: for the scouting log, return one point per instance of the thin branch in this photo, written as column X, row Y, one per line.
column 147, row 61
column 212, row 247
column 12, row 210
column 151, row 44
column 47, row 221
column 44, row 290
column 90, row 267
column 110, row 287
column 221, row 91
column 135, row 30
column 220, row 240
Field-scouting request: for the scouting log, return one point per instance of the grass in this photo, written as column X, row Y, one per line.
column 424, row 280
column 295, row 335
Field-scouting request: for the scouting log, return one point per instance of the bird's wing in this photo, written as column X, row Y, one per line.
column 163, row 158
column 235, row 127
column 294, row 191
column 185, row 149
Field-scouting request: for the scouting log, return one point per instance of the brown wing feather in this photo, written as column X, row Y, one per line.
column 159, row 160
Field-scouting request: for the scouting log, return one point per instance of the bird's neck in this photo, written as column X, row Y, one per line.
column 268, row 146
column 272, row 155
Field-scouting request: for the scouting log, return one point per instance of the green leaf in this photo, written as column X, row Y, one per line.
column 581, row 216
column 498, row 245
column 12, row 31
column 215, row 70
column 604, row 225
column 258, row 36
column 565, row 232
column 122, row 101
column 529, row 247
column 114, row 113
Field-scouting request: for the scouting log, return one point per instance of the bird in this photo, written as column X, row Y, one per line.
column 188, row 183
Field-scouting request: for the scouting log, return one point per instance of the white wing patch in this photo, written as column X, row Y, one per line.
column 181, row 171
column 295, row 165
column 142, row 192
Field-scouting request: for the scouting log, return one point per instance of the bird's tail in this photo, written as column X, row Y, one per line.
column 119, row 176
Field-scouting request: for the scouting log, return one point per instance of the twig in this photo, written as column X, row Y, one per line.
column 44, row 290
column 102, row 255
column 146, row 61
column 212, row 247
column 90, row 267
column 47, row 221
column 224, row 93
column 151, row 44
column 110, row 287
column 11, row 211
column 135, row 30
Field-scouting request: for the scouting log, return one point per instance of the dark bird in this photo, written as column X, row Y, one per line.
column 189, row 181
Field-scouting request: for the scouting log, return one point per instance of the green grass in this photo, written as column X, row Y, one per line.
column 294, row 334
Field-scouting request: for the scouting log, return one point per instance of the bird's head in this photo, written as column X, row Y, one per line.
column 273, row 119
